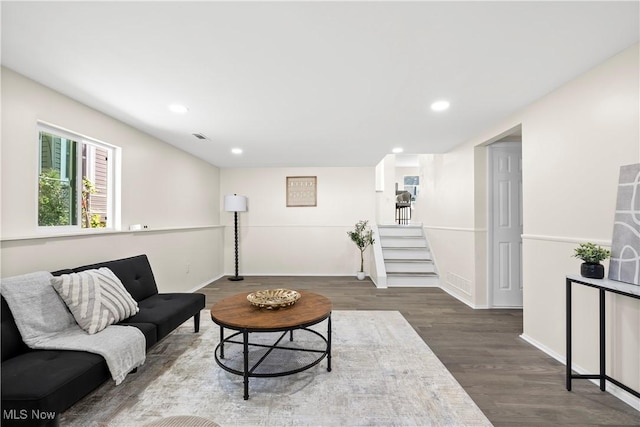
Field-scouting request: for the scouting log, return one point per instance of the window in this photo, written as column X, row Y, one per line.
column 411, row 184
column 76, row 180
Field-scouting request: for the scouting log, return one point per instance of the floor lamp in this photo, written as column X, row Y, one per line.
column 235, row 204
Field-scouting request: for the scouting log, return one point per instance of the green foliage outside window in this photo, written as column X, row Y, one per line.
column 63, row 198
column 96, row 221
column 54, row 199
column 89, row 220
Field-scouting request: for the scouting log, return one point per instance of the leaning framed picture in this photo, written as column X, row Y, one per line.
column 302, row 191
column 624, row 265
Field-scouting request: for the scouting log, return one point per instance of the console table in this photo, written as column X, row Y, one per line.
column 603, row 286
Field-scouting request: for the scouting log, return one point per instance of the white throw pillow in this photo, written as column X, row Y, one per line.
column 96, row 298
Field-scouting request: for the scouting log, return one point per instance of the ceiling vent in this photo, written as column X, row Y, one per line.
column 200, row 136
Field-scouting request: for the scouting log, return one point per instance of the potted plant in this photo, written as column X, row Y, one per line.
column 362, row 236
column 591, row 255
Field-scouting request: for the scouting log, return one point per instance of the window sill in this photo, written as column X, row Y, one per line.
column 94, row 233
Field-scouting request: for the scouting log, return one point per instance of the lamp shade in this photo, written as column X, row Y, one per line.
column 235, row 203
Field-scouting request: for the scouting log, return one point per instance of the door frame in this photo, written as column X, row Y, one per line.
column 505, row 142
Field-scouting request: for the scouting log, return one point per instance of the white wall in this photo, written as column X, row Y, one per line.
column 163, row 188
column 445, row 206
column 182, row 260
column 280, row 240
column 386, row 198
column 574, row 140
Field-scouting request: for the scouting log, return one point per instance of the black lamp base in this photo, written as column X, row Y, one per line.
column 236, row 278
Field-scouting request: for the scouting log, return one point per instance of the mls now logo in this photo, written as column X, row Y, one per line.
column 23, row 414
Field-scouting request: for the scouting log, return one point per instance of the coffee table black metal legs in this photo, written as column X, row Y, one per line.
column 317, row 344
column 329, row 344
column 245, row 340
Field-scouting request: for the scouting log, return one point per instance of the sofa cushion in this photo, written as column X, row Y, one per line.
column 50, row 380
column 148, row 329
column 167, row 311
column 96, row 298
column 135, row 274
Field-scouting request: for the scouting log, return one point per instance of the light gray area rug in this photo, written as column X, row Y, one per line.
column 382, row 374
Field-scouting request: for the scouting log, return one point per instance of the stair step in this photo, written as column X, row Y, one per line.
column 399, row 230
column 407, row 253
column 413, row 280
column 407, row 258
column 409, row 266
column 402, row 242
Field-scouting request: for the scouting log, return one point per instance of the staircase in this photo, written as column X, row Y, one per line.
column 407, row 258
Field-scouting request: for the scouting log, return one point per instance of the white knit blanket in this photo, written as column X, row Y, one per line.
column 45, row 323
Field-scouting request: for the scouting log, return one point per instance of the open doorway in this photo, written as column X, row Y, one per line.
column 505, row 222
column 407, row 186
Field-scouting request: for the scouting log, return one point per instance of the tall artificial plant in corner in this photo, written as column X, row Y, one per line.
column 362, row 236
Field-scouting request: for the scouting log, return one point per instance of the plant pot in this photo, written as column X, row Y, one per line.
column 360, row 275
column 591, row 270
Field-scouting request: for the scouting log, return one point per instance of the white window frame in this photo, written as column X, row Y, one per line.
column 113, row 181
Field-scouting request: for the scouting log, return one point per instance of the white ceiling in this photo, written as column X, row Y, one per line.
column 311, row 83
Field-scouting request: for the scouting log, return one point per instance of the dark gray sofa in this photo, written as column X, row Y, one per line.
column 37, row 385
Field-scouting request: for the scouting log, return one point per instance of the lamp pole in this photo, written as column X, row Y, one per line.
column 235, row 204
column 235, row 227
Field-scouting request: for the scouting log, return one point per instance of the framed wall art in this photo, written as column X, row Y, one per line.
column 302, row 191
column 625, row 244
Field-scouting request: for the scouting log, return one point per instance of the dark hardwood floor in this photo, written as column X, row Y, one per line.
column 511, row 381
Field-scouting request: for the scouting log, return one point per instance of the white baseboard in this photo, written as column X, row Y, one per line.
column 461, row 299
column 220, row 276
column 203, row 284
column 616, row 391
column 381, row 282
column 293, row 274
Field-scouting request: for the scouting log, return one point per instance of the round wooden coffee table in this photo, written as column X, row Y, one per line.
column 271, row 355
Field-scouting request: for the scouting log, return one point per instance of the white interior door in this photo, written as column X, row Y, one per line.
column 505, row 260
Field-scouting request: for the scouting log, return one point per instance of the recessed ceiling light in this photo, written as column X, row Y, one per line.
column 440, row 105
column 236, row 150
column 397, row 150
column 178, row 109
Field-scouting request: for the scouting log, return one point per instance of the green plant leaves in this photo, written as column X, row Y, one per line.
column 362, row 236
column 591, row 253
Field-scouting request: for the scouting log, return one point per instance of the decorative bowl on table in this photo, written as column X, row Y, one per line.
column 273, row 298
